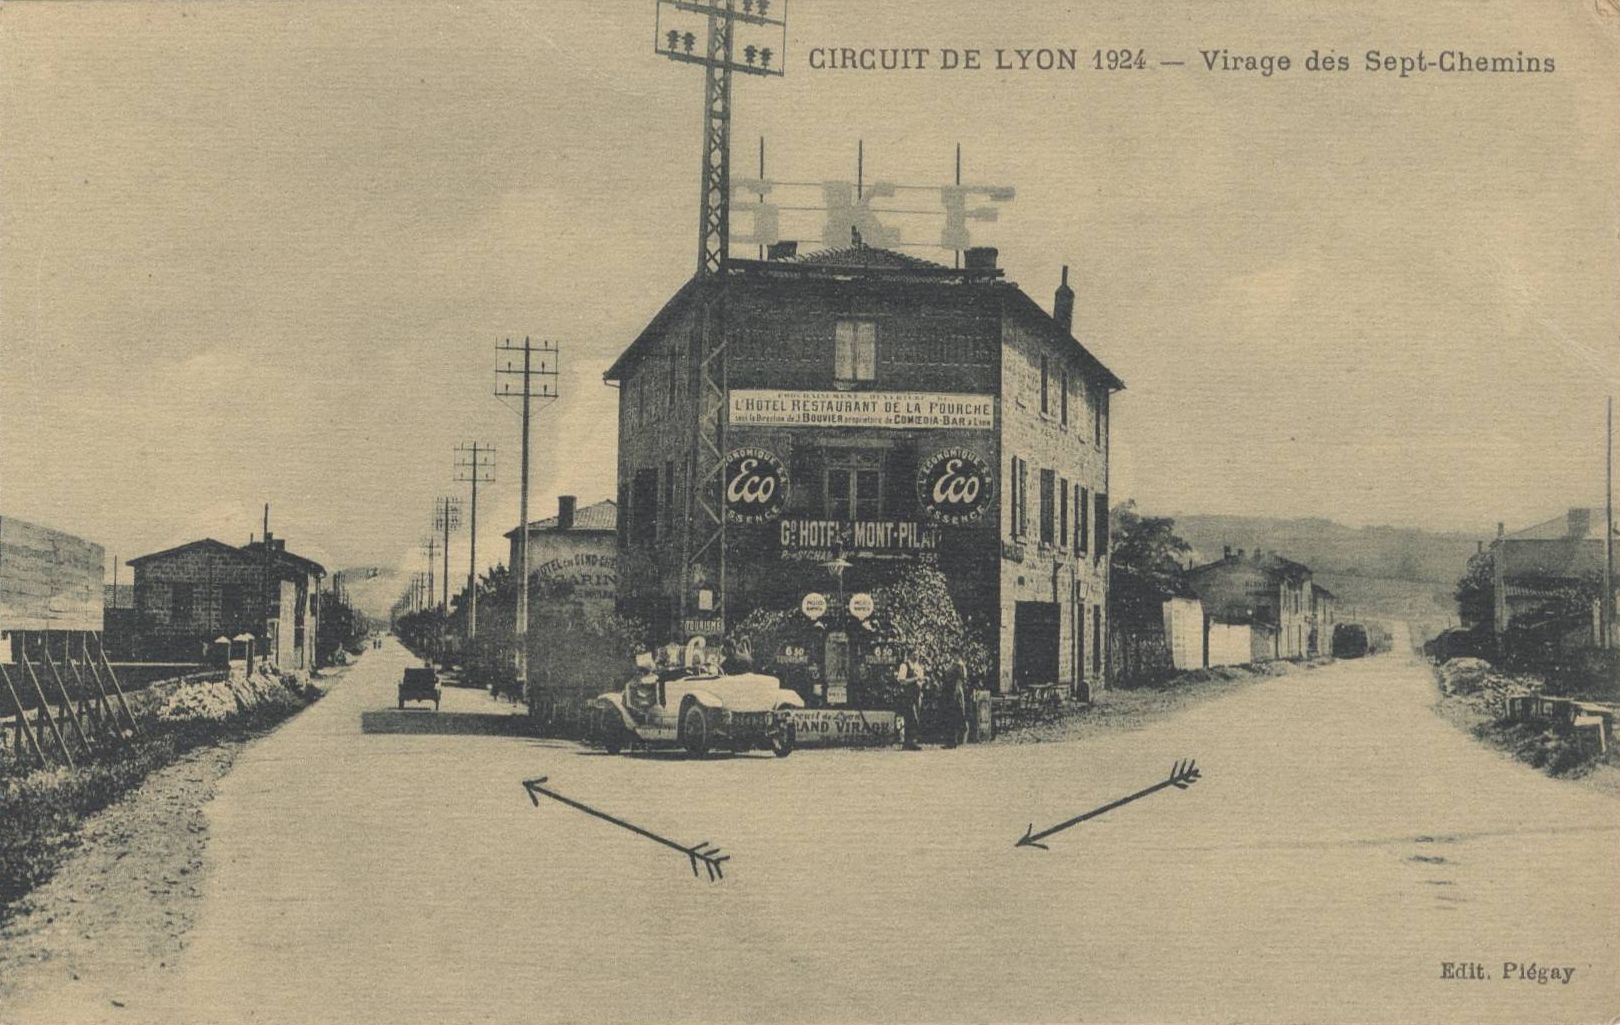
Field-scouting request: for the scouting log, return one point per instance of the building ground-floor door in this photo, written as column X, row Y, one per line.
column 1080, row 690
column 836, row 663
column 1035, row 643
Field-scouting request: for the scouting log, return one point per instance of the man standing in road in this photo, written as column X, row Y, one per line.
column 910, row 675
column 953, row 702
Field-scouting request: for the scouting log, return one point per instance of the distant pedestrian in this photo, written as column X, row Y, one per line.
column 911, row 677
column 953, row 699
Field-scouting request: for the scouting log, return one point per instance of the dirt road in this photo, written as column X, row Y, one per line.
column 1343, row 845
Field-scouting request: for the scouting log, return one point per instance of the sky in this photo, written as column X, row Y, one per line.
column 264, row 252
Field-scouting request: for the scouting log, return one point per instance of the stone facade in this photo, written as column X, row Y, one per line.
column 857, row 381
column 1054, row 551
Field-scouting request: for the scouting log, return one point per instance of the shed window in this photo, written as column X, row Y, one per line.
column 182, row 599
column 855, row 351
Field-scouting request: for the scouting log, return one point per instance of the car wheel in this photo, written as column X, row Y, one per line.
column 695, row 730
column 782, row 743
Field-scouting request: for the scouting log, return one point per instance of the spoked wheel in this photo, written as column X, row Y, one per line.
column 695, row 730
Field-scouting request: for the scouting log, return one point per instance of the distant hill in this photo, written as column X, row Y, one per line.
column 1393, row 573
column 1394, row 553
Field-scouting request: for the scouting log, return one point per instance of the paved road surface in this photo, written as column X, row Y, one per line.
column 1343, row 843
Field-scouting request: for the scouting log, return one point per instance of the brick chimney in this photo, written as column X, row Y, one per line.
column 1580, row 522
column 1063, row 303
column 785, row 250
column 565, row 512
column 980, row 258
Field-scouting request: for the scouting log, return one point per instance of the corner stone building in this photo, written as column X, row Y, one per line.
column 862, row 406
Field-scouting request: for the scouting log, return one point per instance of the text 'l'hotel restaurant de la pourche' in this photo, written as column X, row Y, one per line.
column 878, row 411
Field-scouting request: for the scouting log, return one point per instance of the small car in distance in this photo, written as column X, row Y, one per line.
column 1349, row 640
column 698, row 711
column 420, row 683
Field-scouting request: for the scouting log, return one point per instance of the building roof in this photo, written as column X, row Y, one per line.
column 859, row 262
column 252, row 550
column 1270, row 563
column 1560, row 558
column 601, row 517
column 870, row 256
column 309, row 566
column 1576, row 524
column 206, row 542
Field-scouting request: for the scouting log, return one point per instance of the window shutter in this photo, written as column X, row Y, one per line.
column 1083, row 538
column 1063, row 512
column 1102, row 524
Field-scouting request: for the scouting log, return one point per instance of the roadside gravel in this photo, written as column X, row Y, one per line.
column 125, row 898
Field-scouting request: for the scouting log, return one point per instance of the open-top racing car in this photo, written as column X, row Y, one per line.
column 697, row 707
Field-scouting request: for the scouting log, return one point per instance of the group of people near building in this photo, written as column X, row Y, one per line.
column 950, row 699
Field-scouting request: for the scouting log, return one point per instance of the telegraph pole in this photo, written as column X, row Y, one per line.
column 431, row 545
column 538, row 381
column 475, row 463
column 446, row 517
column 1607, row 602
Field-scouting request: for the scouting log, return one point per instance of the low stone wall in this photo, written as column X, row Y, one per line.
column 215, row 695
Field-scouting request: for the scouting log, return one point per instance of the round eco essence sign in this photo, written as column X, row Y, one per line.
column 756, row 485
column 814, row 605
column 954, row 486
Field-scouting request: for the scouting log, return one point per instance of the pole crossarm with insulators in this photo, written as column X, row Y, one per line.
column 681, row 26
column 446, row 518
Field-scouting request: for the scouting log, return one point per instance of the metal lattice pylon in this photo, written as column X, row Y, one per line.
column 713, row 226
column 704, row 538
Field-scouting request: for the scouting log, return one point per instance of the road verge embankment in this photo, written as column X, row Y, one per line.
column 43, row 809
column 1475, row 696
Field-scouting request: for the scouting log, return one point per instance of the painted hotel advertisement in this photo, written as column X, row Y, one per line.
column 915, row 410
column 869, row 476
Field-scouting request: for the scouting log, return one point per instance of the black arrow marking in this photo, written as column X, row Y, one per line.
column 1182, row 775
column 704, row 853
